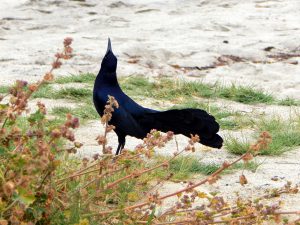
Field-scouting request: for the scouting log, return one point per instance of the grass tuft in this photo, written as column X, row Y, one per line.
column 84, row 112
column 171, row 90
column 4, row 89
column 78, row 94
column 61, row 111
column 246, row 95
column 235, row 146
column 45, row 91
column 289, row 102
column 81, row 78
column 184, row 167
column 285, row 136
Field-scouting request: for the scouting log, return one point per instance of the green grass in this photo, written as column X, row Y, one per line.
column 137, row 85
column 45, row 91
column 171, row 90
column 4, row 89
column 185, row 167
column 78, row 94
column 285, row 136
column 84, row 112
column 251, row 166
column 81, row 78
column 61, row 111
column 246, row 95
column 164, row 88
column 289, row 102
column 235, row 146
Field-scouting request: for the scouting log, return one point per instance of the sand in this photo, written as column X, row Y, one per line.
column 157, row 34
column 254, row 42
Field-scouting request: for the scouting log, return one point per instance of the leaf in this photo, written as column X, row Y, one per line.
column 3, row 106
column 67, row 213
column 26, row 197
column 149, row 221
column 202, row 195
column 37, row 116
column 2, row 150
column 133, row 196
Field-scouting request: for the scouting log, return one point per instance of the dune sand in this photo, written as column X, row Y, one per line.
column 253, row 42
column 157, row 34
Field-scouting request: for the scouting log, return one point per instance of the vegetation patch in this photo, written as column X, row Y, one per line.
column 289, row 102
column 171, row 90
column 85, row 112
column 4, row 89
column 42, row 182
column 81, row 78
column 236, row 146
column 78, row 94
column 246, row 95
column 187, row 167
column 285, row 136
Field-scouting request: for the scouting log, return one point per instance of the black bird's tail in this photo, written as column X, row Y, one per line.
column 186, row 122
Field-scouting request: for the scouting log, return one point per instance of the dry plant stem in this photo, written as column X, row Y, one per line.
column 103, row 175
column 175, row 222
column 18, row 146
column 133, row 175
column 5, row 120
column 137, row 174
column 9, row 207
column 237, row 219
column 31, row 92
column 44, row 179
column 86, row 172
column 176, row 142
column 84, row 169
column 78, row 172
column 129, row 158
column 172, row 194
column 105, row 134
column 203, row 181
column 287, row 212
column 155, row 187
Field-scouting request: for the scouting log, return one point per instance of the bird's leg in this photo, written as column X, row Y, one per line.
column 121, row 145
column 118, row 149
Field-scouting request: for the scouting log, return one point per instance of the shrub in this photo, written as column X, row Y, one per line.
column 42, row 183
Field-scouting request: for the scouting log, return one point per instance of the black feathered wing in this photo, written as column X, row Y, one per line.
column 126, row 123
column 186, row 122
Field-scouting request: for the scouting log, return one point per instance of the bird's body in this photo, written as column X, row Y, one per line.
column 134, row 120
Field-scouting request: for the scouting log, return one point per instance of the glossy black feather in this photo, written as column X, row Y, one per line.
column 134, row 120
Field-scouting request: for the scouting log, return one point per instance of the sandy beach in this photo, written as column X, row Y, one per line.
column 158, row 35
column 250, row 43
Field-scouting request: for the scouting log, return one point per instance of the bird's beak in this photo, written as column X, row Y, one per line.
column 108, row 47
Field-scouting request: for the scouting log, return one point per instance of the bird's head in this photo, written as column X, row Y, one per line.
column 109, row 62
